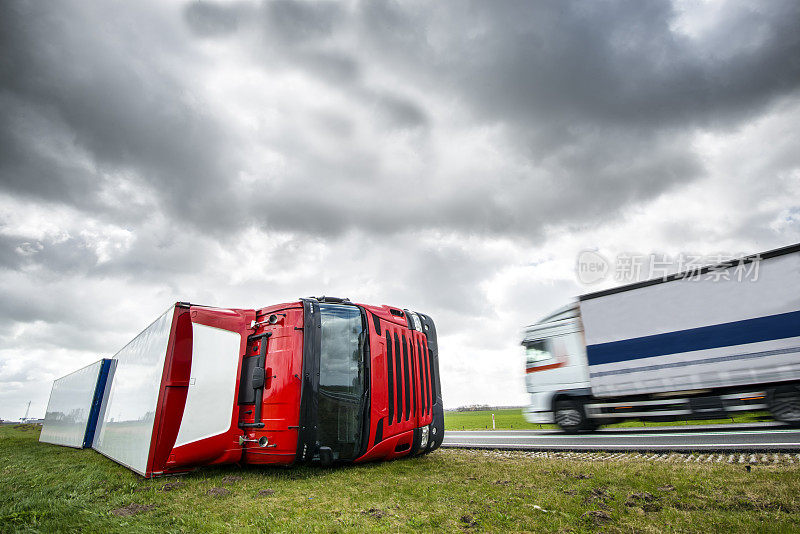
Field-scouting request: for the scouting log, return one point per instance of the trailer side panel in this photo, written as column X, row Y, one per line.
column 71, row 416
column 126, row 425
column 719, row 330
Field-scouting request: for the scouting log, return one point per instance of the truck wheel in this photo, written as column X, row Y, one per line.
column 784, row 404
column 570, row 416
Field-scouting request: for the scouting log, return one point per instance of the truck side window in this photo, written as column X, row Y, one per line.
column 537, row 351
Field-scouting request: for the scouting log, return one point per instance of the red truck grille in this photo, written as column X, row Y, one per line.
column 408, row 376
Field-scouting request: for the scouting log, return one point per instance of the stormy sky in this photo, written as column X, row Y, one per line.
column 448, row 157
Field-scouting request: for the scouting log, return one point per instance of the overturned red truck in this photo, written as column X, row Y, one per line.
column 317, row 380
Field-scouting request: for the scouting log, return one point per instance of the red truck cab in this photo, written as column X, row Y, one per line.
column 330, row 380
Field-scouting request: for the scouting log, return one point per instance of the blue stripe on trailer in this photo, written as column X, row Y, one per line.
column 767, row 328
column 704, row 361
column 99, row 391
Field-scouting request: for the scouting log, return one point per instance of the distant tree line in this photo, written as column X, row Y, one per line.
column 483, row 407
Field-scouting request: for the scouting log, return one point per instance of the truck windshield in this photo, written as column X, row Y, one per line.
column 537, row 351
column 341, row 379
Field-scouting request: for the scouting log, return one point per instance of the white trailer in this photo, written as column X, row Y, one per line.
column 698, row 344
column 71, row 417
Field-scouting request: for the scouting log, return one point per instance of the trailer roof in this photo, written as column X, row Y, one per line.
column 675, row 276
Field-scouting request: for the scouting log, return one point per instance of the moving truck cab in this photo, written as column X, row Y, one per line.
column 693, row 345
column 555, row 362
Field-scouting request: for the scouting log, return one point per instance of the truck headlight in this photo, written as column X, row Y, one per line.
column 424, row 441
column 416, row 324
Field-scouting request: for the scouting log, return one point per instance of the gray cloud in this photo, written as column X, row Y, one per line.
column 208, row 19
column 595, row 104
column 116, row 106
column 610, row 63
column 10, row 255
column 244, row 152
column 579, row 91
column 590, row 95
column 303, row 21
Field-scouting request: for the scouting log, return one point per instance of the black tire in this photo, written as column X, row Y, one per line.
column 784, row 404
column 591, row 425
column 570, row 416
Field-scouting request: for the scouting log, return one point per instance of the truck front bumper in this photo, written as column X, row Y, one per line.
column 535, row 417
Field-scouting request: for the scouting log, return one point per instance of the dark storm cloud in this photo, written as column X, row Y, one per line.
column 26, row 168
column 151, row 255
column 601, row 99
column 18, row 306
column 303, row 21
column 453, row 275
column 71, row 255
column 10, row 253
column 595, row 103
column 594, row 62
column 113, row 101
column 213, row 20
column 154, row 255
column 401, row 112
column 301, row 35
column 63, row 316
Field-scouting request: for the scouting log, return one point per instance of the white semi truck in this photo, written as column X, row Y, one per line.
column 693, row 345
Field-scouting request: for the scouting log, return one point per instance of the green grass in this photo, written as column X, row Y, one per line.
column 505, row 419
column 511, row 419
column 48, row 488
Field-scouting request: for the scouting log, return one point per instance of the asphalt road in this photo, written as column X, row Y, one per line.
column 739, row 437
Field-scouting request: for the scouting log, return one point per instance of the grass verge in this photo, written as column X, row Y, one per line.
column 49, row 488
column 512, row 419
